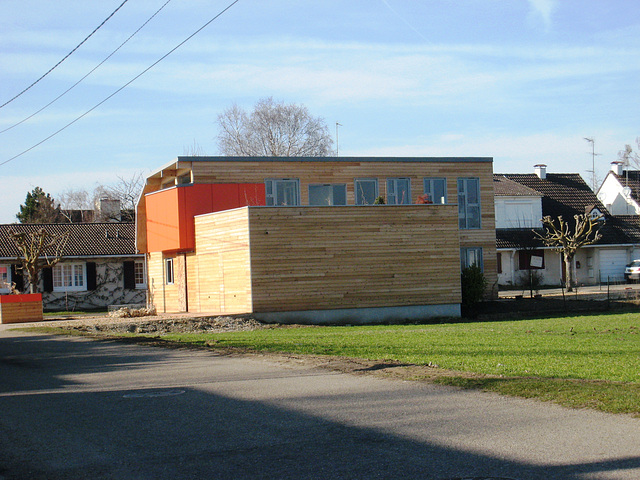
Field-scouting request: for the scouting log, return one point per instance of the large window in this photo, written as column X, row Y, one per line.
column 436, row 190
column 282, row 191
column 327, row 194
column 168, row 271
column 468, row 203
column 69, row 277
column 398, row 191
column 366, row 190
column 471, row 256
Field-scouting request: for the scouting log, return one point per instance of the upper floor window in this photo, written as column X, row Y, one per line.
column 69, row 277
column 282, row 191
column 327, row 194
column 468, row 203
column 398, row 191
column 366, row 190
column 436, row 190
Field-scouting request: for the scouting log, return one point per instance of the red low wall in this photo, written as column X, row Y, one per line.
column 21, row 308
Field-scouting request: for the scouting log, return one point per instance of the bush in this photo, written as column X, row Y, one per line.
column 473, row 286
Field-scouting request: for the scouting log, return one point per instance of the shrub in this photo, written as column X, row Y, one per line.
column 473, row 286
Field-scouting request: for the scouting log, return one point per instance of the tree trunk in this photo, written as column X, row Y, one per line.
column 568, row 273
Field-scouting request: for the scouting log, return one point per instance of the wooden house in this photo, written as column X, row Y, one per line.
column 306, row 240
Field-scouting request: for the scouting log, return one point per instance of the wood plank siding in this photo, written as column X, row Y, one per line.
column 318, row 258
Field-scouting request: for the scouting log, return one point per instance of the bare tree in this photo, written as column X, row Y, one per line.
column 38, row 249
column 567, row 241
column 193, row 150
column 126, row 191
column 273, row 129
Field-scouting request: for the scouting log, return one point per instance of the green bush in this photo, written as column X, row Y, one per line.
column 473, row 286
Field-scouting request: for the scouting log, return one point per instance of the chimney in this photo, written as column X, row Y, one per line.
column 541, row 171
column 616, row 167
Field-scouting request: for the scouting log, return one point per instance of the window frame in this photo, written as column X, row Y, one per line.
column 464, row 257
column 358, row 198
column 429, row 191
column 271, row 191
column 143, row 285
column 5, row 288
column 392, row 193
column 78, row 270
column 169, row 271
column 465, row 206
column 333, row 186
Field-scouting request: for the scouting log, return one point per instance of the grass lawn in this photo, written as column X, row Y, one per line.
column 584, row 361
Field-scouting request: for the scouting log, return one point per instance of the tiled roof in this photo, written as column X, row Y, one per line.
column 502, row 186
column 85, row 239
column 518, row 238
column 566, row 195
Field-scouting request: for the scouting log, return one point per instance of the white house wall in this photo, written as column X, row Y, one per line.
column 612, row 196
column 518, row 212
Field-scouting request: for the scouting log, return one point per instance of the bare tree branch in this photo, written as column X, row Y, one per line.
column 273, row 129
column 567, row 241
column 38, row 249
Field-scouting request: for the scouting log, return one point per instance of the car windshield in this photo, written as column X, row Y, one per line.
column 635, row 263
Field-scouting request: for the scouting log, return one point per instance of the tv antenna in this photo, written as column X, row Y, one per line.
column 593, row 162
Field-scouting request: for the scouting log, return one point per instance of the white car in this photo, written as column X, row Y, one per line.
column 632, row 272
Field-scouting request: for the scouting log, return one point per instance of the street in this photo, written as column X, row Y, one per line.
column 75, row 408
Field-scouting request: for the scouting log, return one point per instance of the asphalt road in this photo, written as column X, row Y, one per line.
column 73, row 408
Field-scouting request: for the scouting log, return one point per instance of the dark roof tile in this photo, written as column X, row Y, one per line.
column 85, row 239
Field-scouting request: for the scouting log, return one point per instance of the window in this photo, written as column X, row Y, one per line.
column 69, row 277
column 471, row 256
column 168, row 270
column 398, row 191
column 366, row 191
column 436, row 190
column 328, row 194
column 468, row 203
column 139, row 274
column 282, row 192
column 5, row 278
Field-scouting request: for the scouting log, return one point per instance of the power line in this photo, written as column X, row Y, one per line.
column 67, row 55
column 90, row 72
column 124, row 86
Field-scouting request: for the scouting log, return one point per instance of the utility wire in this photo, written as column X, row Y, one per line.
column 90, row 72
column 67, row 55
column 124, row 86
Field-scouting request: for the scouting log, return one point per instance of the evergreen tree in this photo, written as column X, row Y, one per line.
column 39, row 207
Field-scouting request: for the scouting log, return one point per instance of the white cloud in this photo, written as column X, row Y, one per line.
column 543, row 9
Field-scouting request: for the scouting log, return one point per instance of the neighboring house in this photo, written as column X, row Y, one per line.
column 522, row 200
column 300, row 239
column 99, row 266
column 620, row 190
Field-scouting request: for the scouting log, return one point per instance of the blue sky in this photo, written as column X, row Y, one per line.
column 522, row 81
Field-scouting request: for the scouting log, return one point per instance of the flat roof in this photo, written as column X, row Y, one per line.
column 336, row 159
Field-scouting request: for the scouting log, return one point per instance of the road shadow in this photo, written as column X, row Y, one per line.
column 51, row 431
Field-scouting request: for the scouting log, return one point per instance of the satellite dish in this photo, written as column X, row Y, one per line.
column 602, row 196
column 626, row 191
